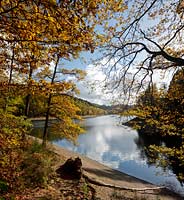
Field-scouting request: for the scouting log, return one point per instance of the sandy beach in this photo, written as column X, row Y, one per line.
column 102, row 173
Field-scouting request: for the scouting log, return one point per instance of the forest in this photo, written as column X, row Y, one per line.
column 36, row 36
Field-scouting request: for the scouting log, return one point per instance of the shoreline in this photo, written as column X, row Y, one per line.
column 52, row 118
column 125, row 184
column 107, row 175
column 88, row 162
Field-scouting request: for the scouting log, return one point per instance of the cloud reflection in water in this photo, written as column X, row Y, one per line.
column 112, row 144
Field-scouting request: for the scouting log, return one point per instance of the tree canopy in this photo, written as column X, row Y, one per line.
column 149, row 40
column 147, row 43
column 35, row 35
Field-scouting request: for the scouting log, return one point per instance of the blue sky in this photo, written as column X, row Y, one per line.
column 92, row 87
column 95, row 76
column 88, row 90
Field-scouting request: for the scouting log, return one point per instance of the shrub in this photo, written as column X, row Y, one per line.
column 37, row 165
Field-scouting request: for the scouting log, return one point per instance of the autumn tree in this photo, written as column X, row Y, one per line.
column 149, row 42
column 34, row 33
column 139, row 49
column 13, row 130
column 59, row 103
column 170, row 128
column 161, row 122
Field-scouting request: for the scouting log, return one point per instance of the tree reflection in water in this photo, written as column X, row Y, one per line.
column 150, row 149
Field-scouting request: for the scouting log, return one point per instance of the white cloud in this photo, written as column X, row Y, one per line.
column 104, row 142
column 97, row 88
column 92, row 88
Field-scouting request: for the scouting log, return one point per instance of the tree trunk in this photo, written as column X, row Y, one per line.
column 10, row 79
column 28, row 97
column 46, row 126
column 45, row 132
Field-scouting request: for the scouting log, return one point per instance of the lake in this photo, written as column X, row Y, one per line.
column 119, row 147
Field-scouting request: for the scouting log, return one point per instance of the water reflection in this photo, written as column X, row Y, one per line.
column 171, row 162
column 121, row 148
column 143, row 142
column 106, row 141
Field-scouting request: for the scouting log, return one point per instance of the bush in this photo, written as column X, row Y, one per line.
column 12, row 143
column 37, row 165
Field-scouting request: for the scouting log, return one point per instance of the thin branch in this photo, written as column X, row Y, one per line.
column 177, row 61
column 156, row 44
column 177, row 31
column 139, row 18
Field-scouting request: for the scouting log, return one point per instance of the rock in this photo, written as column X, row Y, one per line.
column 71, row 169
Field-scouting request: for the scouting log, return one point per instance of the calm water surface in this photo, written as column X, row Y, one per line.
column 115, row 145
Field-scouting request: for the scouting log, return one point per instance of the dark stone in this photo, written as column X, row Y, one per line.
column 71, row 169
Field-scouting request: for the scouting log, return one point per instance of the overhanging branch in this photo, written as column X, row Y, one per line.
column 175, row 60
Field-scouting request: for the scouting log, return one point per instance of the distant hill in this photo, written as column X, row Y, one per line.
column 115, row 109
column 88, row 108
column 38, row 106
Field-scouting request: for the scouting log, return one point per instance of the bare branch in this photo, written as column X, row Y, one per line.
column 177, row 61
column 177, row 31
column 138, row 19
column 156, row 44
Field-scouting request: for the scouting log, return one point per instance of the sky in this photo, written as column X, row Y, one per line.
column 92, row 87
column 88, row 89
